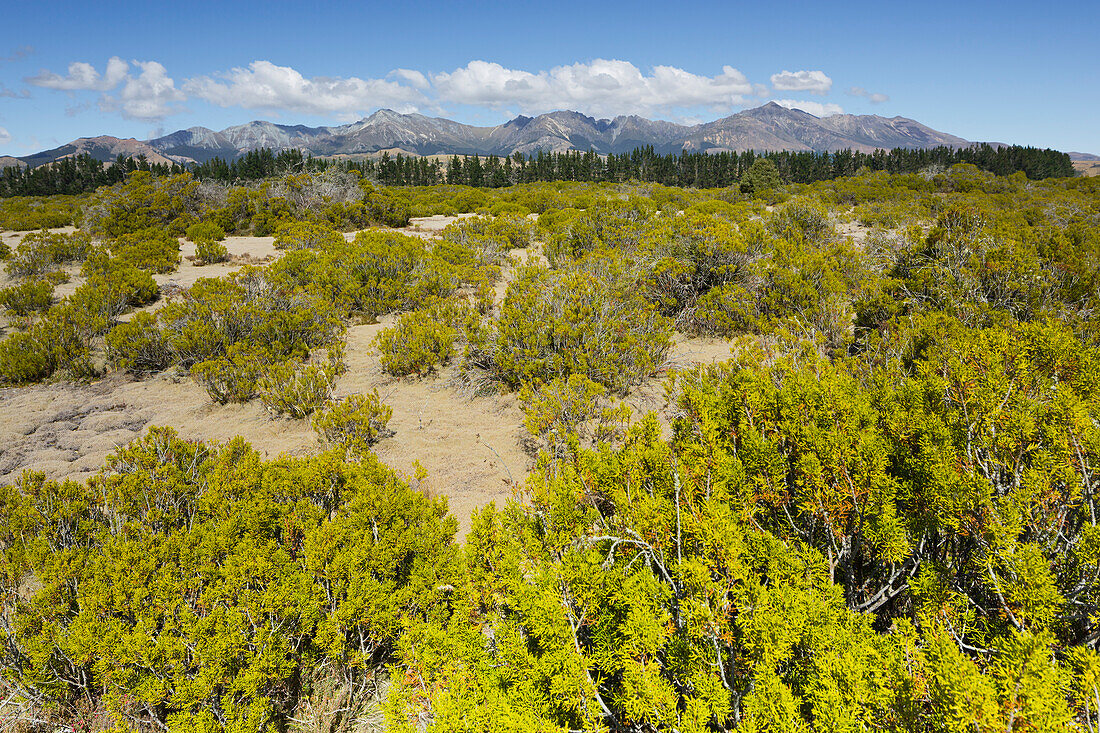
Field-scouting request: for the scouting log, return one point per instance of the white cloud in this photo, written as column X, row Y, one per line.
column 143, row 90
column 814, row 82
column 601, row 87
column 874, row 97
column 411, row 76
column 817, row 109
column 5, row 136
column 263, row 85
column 149, row 96
column 82, row 76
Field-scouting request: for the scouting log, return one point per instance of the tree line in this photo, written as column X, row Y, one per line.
column 83, row 173
column 705, row 170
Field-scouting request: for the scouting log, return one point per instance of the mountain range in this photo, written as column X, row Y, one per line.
column 769, row 127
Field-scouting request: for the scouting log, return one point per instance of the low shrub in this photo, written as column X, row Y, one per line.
column 490, row 237
column 58, row 341
column 40, row 252
column 557, row 323
column 356, row 422
column 208, row 251
column 155, row 250
column 27, row 297
column 297, row 390
column 235, row 376
column 307, row 235
column 138, row 345
column 30, row 213
column 207, row 230
column 577, row 406
column 25, row 358
column 801, row 220
column 129, row 285
column 420, row 340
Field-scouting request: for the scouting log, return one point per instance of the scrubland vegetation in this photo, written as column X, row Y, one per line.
column 879, row 514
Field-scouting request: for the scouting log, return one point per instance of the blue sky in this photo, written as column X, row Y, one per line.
column 1011, row 71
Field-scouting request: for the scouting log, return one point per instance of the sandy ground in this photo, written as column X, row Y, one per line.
column 472, row 446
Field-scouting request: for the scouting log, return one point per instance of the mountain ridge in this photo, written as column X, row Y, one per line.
column 769, row 127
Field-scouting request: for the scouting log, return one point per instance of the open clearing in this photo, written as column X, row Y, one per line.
column 472, row 446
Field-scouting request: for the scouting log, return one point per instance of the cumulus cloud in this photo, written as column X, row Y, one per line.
column 817, row 109
column 814, row 82
column 150, row 95
column 411, row 76
column 873, row 97
column 143, row 90
column 82, row 76
column 5, row 136
column 263, row 85
column 599, row 87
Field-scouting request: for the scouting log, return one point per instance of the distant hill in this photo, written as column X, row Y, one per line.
column 1083, row 157
column 770, row 127
column 104, row 148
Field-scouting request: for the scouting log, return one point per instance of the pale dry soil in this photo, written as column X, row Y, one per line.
column 473, row 446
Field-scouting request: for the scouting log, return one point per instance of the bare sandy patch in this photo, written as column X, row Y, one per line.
column 473, row 447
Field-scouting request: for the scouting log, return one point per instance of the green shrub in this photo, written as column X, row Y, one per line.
column 577, row 406
column 207, row 230
column 155, row 250
column 306, row 235
column 128, row 285
column 27, row 297
column 26, row 357
column 235, row 376
column 298, row 390
column 29, row 213
column 801, row 220
column 554, row 324
column 491, row 236
column 58, row 341
column 208, row 251
column 138, row 345
column 202, row 588
column 355, row 422
column 39, row 252
column 248, row 305
column 144, row 202
column 420, row 340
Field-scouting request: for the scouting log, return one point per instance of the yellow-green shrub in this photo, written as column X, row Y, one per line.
column 420, row 340
column 576, row 406
column 554, row 324
column 205, row 230
column 235, row 376
column 198, row 587
column 297, row 390
column 208, row 251
column 307, row 235
column 138, row 345
column 155, row 250
column 27, row 297
column 41, row 251
column 355, row 422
